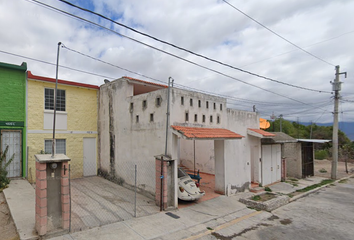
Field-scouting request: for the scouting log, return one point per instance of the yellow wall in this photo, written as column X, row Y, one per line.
column 81, row 108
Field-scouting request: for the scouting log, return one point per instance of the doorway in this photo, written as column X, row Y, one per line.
column 13, row 139
column 90, row 163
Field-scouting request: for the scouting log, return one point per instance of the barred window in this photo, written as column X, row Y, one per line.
column 49, row 99
column 60, row 146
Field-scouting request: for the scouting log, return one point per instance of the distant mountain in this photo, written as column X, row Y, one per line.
column 346, row 127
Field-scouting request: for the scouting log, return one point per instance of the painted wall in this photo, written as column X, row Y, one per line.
column 124, row 142
column 81, row 117
column 13, row 102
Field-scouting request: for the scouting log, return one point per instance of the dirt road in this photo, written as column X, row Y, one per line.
column 7, row 226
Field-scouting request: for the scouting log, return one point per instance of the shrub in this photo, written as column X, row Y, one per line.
column 267, row 189
column 321, row 154
column 4, row 181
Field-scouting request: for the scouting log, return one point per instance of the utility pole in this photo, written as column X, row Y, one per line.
column 336, row 87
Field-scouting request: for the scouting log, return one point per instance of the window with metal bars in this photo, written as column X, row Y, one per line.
column 49, row 99
column 60, row 146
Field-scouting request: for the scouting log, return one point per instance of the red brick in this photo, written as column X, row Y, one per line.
column 41, row 175
column 64, row 181
column 41, row 221
column 41, row 211
column 65, row 190
column 41, row 166
column 65, row 207
column 41, row 184
column 41, row 202
column 65, row 224
column 65, row 216
column 41, row 193
column 65, row 198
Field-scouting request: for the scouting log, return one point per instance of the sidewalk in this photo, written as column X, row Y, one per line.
column 192, row 222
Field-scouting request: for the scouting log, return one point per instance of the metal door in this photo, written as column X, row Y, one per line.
column 267, row 169
column 90, row 163
column 13, row 139
column 307, row 159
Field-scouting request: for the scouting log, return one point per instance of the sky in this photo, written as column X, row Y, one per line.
column 322, row 30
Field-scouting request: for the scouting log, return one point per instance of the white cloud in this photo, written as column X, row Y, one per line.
column 209, row 27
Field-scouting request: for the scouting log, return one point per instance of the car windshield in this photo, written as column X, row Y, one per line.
column 181, row 173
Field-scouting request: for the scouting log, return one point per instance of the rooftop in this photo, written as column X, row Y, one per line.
column 52, row 80
column 206, row 133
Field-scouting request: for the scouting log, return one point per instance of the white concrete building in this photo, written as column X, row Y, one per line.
column 132, row 129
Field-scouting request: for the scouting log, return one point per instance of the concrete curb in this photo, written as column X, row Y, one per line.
column 316, row 189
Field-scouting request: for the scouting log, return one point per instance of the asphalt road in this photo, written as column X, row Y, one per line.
column 326, row 214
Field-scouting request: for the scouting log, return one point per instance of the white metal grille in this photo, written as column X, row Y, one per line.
column 60, row 146
column 13, row 139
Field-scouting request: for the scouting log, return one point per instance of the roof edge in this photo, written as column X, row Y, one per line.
column 65, row 82
column 22, row 67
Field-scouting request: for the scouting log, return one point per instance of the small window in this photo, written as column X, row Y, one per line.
column 151, row 117
column 203, row 118
column 207, row 104
column 158, row 102
column 137, row 118
column 214, row 105
column 218, row 119
column 191, row 102
column 49, row 99
column 220, row 106
column 60, row 146
column 187, row 117
column 131, row 107
column 211, row 118
column 182, row 100
column 144, row 104
column 195, row 117
column 199, row 103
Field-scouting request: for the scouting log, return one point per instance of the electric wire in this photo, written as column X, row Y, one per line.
column 259, row 23
column 53, row 64
column 184, row 49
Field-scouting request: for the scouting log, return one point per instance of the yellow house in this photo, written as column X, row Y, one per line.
column 76, row 123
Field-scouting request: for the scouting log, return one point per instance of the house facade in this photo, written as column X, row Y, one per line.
column 132, row 130
column 76, row 123
column 13, row 116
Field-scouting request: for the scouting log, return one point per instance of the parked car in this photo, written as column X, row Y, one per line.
column 188, row 190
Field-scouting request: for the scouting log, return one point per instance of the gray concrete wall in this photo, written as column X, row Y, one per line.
column 292, row 154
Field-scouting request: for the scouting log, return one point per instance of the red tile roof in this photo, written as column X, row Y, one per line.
column 151, row 83
column 206, row 133
column 46, row 79
column 262, row 132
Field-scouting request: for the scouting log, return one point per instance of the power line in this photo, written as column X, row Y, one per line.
column 53, row 64
column 326, row 40
column 259, row 23
column 189, row 51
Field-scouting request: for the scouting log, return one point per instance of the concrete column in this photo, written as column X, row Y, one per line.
column 41, row 198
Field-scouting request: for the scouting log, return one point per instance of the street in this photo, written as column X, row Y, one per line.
column 326, row 214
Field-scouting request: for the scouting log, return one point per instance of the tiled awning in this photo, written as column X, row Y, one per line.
column 206, row 133
column 259, row 133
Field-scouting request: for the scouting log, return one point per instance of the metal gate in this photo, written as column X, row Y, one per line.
column 13, row 139
column 307, row 159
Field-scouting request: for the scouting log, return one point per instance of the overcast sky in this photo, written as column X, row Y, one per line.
column 208, row 27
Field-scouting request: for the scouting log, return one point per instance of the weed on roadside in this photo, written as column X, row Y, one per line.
column 311, row 187
column 343, row 181
column 322, row 170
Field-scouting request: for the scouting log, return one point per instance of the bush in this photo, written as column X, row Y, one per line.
column 4, row 181
column 321, row 154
